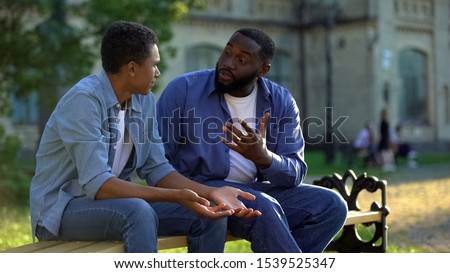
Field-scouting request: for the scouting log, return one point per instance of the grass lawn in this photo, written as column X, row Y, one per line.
column 15, row 229
column 318, row 167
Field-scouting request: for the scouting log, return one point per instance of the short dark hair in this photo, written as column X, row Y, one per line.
column 262, row 39
column 124, row 42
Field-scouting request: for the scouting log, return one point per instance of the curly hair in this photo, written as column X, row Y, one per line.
column 124, row 42
column 262, row 39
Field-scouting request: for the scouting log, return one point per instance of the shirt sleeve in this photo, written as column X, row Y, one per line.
column 79, row 124
column 285, row 139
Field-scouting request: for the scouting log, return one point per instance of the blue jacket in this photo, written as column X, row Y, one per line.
column 191, row 114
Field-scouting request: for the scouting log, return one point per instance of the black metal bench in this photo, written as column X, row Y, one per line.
column 349, row 239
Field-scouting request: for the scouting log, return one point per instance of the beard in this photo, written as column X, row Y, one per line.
column 234, row 86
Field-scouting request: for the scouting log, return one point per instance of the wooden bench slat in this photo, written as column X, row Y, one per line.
column 65, row 247
column 167, row 242
column 36, row 247
column 232, row 238
column 101, row 247
column 359, row 217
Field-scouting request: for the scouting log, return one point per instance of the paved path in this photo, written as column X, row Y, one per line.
column 421, row 173
column 419, row 201
column 404, row 174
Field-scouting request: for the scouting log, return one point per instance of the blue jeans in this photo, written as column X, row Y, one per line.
column 133, row 221
column 300, row 219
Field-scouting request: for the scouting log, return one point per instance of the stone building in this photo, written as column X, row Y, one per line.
column 343, row 60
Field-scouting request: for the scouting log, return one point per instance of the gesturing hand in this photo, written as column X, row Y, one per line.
column 229, row 196
column 249, row 144
column 201, row 206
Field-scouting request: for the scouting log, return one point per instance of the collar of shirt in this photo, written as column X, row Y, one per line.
column 110, row 95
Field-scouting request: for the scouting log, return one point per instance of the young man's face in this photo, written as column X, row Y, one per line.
column 147, row 72
column 239, row 66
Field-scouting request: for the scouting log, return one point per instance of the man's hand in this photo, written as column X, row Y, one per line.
column 201, row 206
column 251, row 145
column 118, row 188
column 229, row 197
column 226, row 198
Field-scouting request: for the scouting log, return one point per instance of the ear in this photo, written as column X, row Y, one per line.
column 131, row 69
column 265, row 68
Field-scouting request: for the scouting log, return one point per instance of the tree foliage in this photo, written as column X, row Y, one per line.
column 48, row 45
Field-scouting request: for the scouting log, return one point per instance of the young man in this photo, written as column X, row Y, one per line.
column 101, row 131
column 229, row 126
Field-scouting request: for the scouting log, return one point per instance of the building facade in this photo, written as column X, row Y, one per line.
column 349, row 59
column 343, row 60
column 389, row 54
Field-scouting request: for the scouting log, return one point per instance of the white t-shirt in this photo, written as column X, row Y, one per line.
column 123, row 147
column 242, row 170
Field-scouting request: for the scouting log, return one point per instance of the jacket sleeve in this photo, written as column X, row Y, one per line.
column 285, row 139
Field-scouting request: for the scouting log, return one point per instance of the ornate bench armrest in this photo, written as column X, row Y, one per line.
column 349, row 240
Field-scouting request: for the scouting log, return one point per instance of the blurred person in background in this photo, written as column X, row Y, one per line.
column 401, row 148
column 365, row 145
column 384, row 145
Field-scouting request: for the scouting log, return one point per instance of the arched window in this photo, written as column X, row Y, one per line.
column 413, row 95
column 202, row 57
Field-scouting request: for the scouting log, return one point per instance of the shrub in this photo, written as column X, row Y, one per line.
column 14, row 181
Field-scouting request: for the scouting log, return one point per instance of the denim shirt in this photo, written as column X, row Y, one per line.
column 77, row 148
column 191, row 111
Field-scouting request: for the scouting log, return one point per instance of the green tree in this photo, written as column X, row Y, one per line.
column 48, row 45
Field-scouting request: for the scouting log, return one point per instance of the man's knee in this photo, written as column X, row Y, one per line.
column 339, row 206
column 141, row 211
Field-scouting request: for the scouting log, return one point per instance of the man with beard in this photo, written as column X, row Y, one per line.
column 229, row 126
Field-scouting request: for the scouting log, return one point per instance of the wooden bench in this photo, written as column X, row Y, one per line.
column 347, row 241
column 164, row 242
